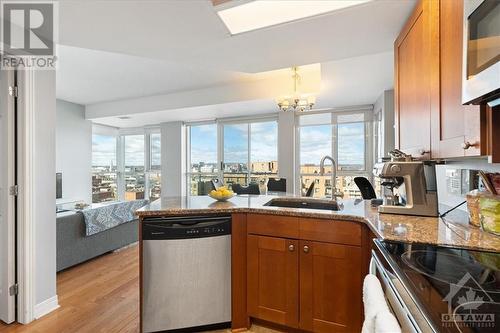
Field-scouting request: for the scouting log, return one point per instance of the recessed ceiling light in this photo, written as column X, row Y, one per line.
column 265, row 13
column 124, row 117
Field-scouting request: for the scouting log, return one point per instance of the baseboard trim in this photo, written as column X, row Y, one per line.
column 46, row 307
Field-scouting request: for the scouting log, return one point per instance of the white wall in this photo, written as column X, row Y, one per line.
column 286, row 149
column 37, row 193
column 385, row 105
column 173, row 159
column 74, row 151
column 45, row 192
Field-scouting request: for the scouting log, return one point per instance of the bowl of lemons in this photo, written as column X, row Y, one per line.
column 221, row 194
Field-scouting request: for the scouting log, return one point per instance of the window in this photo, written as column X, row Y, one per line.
column 236, row 154
column 134, row 171
column 154, row 174
column 341, row 135
column 202, row 155
column 104, row 169
column 126, row 167
column 263, row 152
column 155, row 151
column 248, row 152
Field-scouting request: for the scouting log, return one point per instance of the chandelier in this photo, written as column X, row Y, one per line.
column 296, row 102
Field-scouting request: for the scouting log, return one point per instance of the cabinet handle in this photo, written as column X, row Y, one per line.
column 306, row 249
column 423, row 152
column 466, row 145
column 291, row 247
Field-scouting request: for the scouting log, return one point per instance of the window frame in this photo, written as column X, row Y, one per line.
column 189, row 173
column 220, row 123
column 120, row 135
column 367, row 110
column 105, row 131
column 248, row 122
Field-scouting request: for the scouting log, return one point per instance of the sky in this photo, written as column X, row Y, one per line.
column 316, row 142
column 264, row 142
column 104, row 150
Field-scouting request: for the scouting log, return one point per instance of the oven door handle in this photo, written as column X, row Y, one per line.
column 372, row 269
column 395, row 300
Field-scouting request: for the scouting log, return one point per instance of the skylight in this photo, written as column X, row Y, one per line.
column 265, row 13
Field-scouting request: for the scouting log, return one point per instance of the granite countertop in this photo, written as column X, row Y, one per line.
column 452, row 231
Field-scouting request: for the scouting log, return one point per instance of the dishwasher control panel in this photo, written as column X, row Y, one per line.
column 185, row 227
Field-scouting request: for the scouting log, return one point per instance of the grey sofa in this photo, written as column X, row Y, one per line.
column 73, row 247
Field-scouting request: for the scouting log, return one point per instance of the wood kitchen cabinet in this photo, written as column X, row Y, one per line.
column 312, row 281
column 330, row 293
column 431, row 121
column 413, row 55
column 457, row 130
column 273, row 279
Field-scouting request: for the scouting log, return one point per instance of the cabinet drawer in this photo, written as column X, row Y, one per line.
column 273, row 225
column 332, row 231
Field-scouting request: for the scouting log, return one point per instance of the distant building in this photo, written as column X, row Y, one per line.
column 237, row 173
column 130, row 196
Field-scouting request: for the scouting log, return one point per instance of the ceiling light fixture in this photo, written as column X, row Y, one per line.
column 242, row 16
column 296, row 102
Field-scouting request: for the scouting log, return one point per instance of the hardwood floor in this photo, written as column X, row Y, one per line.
column 101, row 295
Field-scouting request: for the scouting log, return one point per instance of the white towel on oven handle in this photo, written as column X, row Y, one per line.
column 385, row 322
column 374, row 304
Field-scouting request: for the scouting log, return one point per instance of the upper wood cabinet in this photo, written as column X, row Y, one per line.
column 457, row 130
column 431, row 121
column 413, row 69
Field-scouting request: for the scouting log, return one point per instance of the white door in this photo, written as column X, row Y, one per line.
column 7, row 201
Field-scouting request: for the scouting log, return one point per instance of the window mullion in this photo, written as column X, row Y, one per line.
column 249, row 165
column 189, row 167
column 220, row 150
column 147, row 164
column 120, row 158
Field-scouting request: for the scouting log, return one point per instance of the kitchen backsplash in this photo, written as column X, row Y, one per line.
column 456, row 178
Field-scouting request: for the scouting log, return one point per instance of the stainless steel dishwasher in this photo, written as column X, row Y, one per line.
column 186, row 279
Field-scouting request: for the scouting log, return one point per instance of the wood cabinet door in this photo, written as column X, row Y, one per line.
column 330, row 287
column 457, row 130
column 413, row 52
column 273, row 279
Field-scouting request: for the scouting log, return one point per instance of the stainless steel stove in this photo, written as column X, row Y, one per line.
column 440, row 289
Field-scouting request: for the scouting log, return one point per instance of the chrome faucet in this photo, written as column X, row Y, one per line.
column 335, row 194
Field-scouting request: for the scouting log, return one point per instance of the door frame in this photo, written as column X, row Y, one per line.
column 8, row 81
column 26, row 199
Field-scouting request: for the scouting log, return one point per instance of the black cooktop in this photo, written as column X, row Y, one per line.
column 457, row 289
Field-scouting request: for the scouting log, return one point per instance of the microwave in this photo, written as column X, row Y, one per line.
column 481, row 55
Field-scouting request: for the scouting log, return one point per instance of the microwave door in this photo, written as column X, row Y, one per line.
column 481, row 56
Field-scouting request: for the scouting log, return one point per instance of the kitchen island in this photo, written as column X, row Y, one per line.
column 302, row 269
column 454, row 232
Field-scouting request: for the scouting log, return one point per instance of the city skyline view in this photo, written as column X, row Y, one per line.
column 249, row 152
column 137, row 183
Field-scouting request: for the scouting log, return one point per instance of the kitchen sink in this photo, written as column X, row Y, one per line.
column 304, row 203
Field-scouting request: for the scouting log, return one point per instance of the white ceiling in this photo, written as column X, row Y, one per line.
column 348, row 82
column 114, row 50
column 86, row 76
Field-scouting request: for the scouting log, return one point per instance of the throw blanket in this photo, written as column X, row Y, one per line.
column 109, row 216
